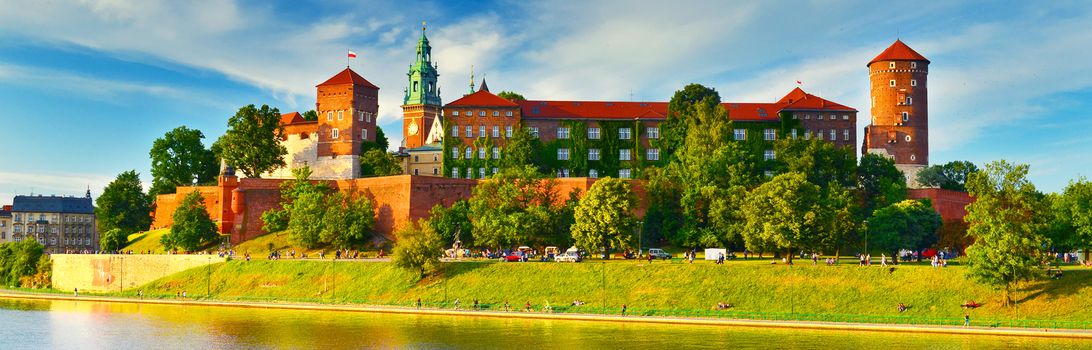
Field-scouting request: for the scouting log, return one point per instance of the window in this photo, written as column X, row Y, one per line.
column 913, row 157
column 905, row 117
column 820, row 117
column 593, row 133
column 416, row 172
column 496, row 131
column 481, row 113
column 624, row 154
column 435, row 158
column 769, row 134
column 907, row 138
column 909, row 100
column 329, row 115
column 913, row 82
column 845, row 134
column 768, row 173
column 807, row 116
column 508, row 131
column 534, row 131
column 652, row 132
column 563, row 133
column 496, row 152
column 913, row 65
column 481, row 131
column 481, row 173
column 739, row 134
column 469, row 153
column 360, row 115
column 769, row 155
column 455, row 113
column 652, row 154
column 793, row 134
column 891, row 65
column 624, row 173
column 562, row 154
column 340, row 115
column 416, row 159
column 481, row 153
column 455, row 173
column 469, row 173
column 469, row 131
column 593, row 154
column 833, row 134
column 562, row 172
column 892, row 83
column 364, row 134
column 819, row 134
column 593, row 173
column 496, row 113
column 508, row 114
column 845, row 116
column 624, row 133
column 334, row 133
column 455, row 152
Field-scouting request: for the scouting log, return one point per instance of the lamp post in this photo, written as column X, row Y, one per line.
column 865, row 236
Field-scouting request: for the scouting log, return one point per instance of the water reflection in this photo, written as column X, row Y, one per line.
column 96, row 325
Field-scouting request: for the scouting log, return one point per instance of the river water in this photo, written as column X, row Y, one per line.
column 34, row 324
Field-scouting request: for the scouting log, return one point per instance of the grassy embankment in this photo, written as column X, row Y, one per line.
column 752, row 286
column 147, row 240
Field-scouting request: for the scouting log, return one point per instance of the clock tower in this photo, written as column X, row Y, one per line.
column 421, row 105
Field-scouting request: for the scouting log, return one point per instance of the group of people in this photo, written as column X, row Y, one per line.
column 938, row 262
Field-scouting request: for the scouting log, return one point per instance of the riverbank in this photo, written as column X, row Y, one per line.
column 936, row 329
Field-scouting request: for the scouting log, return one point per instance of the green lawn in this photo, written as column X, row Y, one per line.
column 147, row 240
column 751, row 286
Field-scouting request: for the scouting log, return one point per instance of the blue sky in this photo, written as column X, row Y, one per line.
column 86, row 86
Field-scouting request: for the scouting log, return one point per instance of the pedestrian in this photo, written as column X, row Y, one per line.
column 418, row 303
column 75, row 292
column 650, row 258
column 623, row 309
column 506, row 307
column 475, row 304
column 966, row 320
column 183, row 294
column 691, row 257
column 883, row 260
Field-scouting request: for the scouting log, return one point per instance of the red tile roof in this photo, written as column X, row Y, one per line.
column 752, row 112
column 898, row 52
column 348, row 76
column 482, row 98
column 290, row 118
column 797, row 99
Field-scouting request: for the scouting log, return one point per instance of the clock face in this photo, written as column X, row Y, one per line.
column 413, row 128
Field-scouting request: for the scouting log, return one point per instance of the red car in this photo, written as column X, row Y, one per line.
column 514, row 256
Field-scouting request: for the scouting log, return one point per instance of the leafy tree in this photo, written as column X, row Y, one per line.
column 418, row 248
column 664, row 217
column 451, row 222
column 349, row 220
column 310, row 115
column 178, row 158
column 377, row 162
column 1007, row 227
column 1072, row 224
column 514, row 207
column 519, row 151
column 123, row 205
column 910, row 224
column 881, row 183
column 838, row 217
column 509, row 95
column 305, row 218
column 19, row 259
column 192, row 226
column 674, row 130
column 381, row 143
column 824, row 163
column 604, row 217
column 783, row 214
column 275, row 220
column 949, row 176
column 252, row 142
column 113, row 240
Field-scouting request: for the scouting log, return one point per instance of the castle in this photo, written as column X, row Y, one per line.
column 447, row 148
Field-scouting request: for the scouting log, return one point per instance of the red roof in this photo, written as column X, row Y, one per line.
column 753, row 112
column 290, row 118
column 593, row 109
column 482, row 98
column 898, row 52
column 348, row 76
column 798, row 99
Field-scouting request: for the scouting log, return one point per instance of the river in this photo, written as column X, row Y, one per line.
column 40, row 324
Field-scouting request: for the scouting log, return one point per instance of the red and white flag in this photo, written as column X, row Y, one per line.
column 352, row 54
column 797, row 82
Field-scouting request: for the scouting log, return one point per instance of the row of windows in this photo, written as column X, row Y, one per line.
column 481, row 113
column 767, row 134
column 470, row 173
column 435, row 171
column 831, row 135
column 435, row 158
column 913, row 82
column 469, row 152
column 53, row 240
column 361, row 115
column 913, row 65
column 821, row 116
column 482, row 131
column 623, row 154
column 336, row 134
column 594, row 133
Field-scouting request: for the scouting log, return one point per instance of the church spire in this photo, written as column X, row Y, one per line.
column 484, row 86
column 422, row 75
column 471, row 79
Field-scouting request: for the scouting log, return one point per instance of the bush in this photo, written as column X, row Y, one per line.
column 20, row 259
column 275, row 220
column 418, row 248
column 113, row 240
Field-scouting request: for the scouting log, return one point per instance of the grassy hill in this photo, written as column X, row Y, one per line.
column 752, row 286
column 147, row 240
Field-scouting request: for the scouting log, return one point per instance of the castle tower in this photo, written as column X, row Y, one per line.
column 900, row 108
column 347, row 105
column 421, row 105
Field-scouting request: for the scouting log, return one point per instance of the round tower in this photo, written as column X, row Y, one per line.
column 899, row 127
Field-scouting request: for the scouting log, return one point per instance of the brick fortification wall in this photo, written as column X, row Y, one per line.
column 108, row 273
column 951, row 205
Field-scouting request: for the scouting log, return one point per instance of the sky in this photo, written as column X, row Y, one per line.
column 87, row 86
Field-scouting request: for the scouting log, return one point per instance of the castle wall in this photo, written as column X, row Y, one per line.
column 112, row 273
column 951, row 205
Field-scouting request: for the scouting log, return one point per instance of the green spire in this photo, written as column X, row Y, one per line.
column 422, row 74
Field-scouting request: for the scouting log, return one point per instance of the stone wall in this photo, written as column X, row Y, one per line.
column 951, row 205
column 110, row 273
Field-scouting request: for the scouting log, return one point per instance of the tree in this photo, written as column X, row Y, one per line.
column 604, row 217
column 305, row 219
column 381, row 143
column 310, row 115
column 113, row 240
column 452, row 222
column 377, row 162
column 349, row 220
column 19, row 259
column 192, row 226
column 252, row 142
column 519, row 151
column 513, row 207
column 838, row 217
column 178, row 158
column 674, row 129
column 275, row 220
column 949, row 176
column 783, row 214
column 824, row 163
column 123, row 205
column 1072, row 224
column 1007, row 227
column 510, row 95
column 881, row 183
column 418, row 248
column 910, row 224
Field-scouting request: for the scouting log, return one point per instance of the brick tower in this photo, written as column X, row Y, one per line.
column 900, row 109
column 421, row 104
column 347, row 105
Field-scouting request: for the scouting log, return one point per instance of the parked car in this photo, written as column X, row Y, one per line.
column 568, row 256
column 658, row 253
column 514, row 256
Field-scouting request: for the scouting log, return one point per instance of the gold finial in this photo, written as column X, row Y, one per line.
column 422, row 26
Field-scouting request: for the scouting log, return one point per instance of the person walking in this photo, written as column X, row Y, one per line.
column 418, row 303
column 966, row 320
column 75, row 292
column 623, row 310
